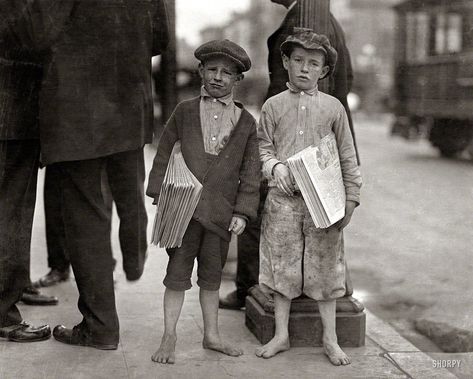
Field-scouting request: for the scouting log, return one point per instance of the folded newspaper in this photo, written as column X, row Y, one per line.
column 318, row 175
column 178, row 198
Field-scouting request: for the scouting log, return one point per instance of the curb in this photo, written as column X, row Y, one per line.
column 401, row 353
column 449, row 338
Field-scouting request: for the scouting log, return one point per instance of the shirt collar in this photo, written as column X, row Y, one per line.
column 226, row 100
column 294, row 89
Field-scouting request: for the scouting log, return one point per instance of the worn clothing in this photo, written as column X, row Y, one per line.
column 18, row 174
column 339, row 86
column 292, row 121
column 296, row 257
column 230, row 179
column 211, row 253
column 218, row 117
column 96, row 97
column 340, row 81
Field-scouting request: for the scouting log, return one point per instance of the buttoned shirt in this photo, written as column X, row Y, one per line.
column 294, row 120
column 218, row 117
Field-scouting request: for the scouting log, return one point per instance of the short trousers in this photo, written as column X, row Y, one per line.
column 296, row 257
column 211, row 252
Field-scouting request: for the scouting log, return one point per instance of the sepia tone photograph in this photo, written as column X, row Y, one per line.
column 236, row 189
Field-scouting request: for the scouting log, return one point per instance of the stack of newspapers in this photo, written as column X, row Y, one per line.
column 178, row 198
column 318, row 175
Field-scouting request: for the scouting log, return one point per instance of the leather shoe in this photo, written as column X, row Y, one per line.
column 75, row 336
column 25, row 333
column 52, row 278
column 231, row 301
column 32, row 296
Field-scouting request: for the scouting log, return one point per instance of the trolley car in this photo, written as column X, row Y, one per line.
column 434, row 72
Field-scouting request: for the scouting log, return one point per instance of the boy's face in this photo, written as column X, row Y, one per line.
column 219, row 76
column 305, row 67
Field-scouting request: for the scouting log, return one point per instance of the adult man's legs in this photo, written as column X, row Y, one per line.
column 58, row 260
column 247, row 259
column 87, row 222
column 126, row 176
column 18, row 175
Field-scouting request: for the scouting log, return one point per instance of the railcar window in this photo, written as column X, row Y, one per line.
column 448, row 33
column 418, row 36
column 454, row 33
column 440, row 33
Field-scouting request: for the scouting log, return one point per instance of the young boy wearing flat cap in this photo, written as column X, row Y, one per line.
column 220, row 147
column 296, row 257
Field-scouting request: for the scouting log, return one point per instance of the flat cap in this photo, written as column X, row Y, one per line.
column 309, row 40
column 225, row 48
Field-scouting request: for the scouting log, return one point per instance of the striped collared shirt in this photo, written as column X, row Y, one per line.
column 294, row 120
column 218, row 117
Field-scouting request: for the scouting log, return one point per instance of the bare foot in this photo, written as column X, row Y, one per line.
column 335, row 354
column 276, row 345
column 215, row 343
column 165, row 353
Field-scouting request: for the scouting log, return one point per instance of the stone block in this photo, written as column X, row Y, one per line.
column 305, row 327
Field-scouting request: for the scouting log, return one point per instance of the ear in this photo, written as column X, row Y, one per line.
column 324, row 72
column 201, row 70
column 285, row 61
column 239, row 78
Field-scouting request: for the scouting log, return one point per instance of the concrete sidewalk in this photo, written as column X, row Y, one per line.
column 386, row 354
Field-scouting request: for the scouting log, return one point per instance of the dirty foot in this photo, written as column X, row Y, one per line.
column 335, row 354
column 217, row 345
column 276, row 345
column 165, row 353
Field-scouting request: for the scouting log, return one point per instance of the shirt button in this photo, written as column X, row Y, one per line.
column 214, row 100
column 215, row 117
column 301, row 132
column 276, row 267
column 303, row 107
column 302, row 93
column 214, row 138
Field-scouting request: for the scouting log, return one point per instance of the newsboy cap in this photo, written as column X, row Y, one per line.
column 224, row 48
column 309, row 40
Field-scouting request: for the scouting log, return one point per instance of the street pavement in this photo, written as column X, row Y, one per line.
column 386, row 354
column 410, row 241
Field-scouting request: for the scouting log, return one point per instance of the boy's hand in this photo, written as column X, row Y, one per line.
column 349, row 208
column 237, row 225
column 283, row 178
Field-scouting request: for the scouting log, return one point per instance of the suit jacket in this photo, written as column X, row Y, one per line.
column 230, row 180
column 20, row 73
column 342, row 77
column 96, row 93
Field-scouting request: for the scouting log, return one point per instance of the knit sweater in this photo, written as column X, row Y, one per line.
column 230, row 180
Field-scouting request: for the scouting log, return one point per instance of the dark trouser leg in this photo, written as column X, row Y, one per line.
column 18, row 175
column 87, row 222
column 248, row 251
column 126, row 176
column 55, row 234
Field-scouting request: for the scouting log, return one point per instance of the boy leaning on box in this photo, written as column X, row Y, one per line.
column 220, row 147
column 296, row 257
